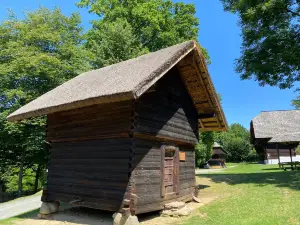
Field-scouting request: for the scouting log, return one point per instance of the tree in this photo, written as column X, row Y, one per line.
column 203, row 150
column 296, row 102
column 129, row 28
column 236, row 142
column 36, row 54
column 271, row 40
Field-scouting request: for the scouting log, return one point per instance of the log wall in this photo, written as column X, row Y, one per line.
column 89, row 123
column 109, row 156
column 167, row 111
column 147, row 176
column 90, row 150
column 165, row 116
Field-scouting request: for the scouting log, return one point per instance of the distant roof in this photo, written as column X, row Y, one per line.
column 129, row 80
column 287, row 137
column 280, row 125
column 216, row 145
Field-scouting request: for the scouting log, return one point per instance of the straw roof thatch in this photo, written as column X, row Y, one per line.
column 284, row 138
column 218, row 149
column 217, row 145
column 280, row 126
column 129, row 80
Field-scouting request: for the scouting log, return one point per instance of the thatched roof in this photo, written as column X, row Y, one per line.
column 129, row 80
column 218, row 149
column 217, row 145
column 280, row 126
column 286, row 138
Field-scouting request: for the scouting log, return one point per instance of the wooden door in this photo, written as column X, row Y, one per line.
column 170, row 170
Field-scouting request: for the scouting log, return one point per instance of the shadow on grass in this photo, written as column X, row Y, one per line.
column 286, row 179
column 201, row 186
column 272, row 169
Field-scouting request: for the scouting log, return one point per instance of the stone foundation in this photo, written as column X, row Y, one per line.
column 176, row 209
column 48, row 208
column 120, row 219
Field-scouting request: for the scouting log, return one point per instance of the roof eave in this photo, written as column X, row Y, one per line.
column 16, row 116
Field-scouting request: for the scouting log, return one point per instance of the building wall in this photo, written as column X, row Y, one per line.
column 282, row 159
column 90, row 150
column 147, row 176
column 284, row 151
column 268, row 151
column 103, row 154
column 165, row 116
column 167, row 111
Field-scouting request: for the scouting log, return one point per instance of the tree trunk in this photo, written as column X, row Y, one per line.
column 37, row 176
column 20, row 186
column 1, row 192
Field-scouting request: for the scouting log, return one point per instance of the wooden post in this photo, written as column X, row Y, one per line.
column 291, row 158
column 278, row 154
column 1, row 193
column 162, row 172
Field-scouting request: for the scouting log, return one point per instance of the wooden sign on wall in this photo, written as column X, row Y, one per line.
column 182, row 156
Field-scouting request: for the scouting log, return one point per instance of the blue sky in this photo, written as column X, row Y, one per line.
column 220, row 34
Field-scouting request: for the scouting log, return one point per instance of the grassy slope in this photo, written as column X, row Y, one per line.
column 251, row 194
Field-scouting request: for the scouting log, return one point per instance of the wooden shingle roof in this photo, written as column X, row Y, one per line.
column 129, row 80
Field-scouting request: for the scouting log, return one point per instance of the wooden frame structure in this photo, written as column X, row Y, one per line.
column 276, row 134
column 218, row 159
column 123, row 139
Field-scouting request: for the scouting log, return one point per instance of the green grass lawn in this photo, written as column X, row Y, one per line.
column 250, row 194
column 245, row 194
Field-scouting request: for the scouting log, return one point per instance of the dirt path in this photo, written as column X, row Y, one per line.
column 19, row 206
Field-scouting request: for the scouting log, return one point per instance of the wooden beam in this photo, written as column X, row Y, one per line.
column 163, row 139
column 206, row 115
column 206, row 90
column 278, row 154
column 291, row 158
column 202, row 82
column 218, row 104
column 162, row 172
column 211, row 119
column 201, row 123
column 218, row 121
column 212, row 129
column 210, row 124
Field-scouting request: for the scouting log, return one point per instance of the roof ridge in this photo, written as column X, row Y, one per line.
column 141, row 87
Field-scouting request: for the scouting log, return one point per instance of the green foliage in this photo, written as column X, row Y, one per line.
column 36, row 54
column 126, row 29
column 10, row 179
column 252, row 156
column 236, row 142
column 271, row 40
column 296, row 102
column 109, row 47
column 298, row 150
column 203, row 150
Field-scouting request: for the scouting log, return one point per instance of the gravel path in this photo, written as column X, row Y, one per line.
column 200, row 171
column 19, row 206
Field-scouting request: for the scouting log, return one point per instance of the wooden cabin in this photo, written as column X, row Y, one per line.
column 122, row 137
column 218, row 158
column 274, row 135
